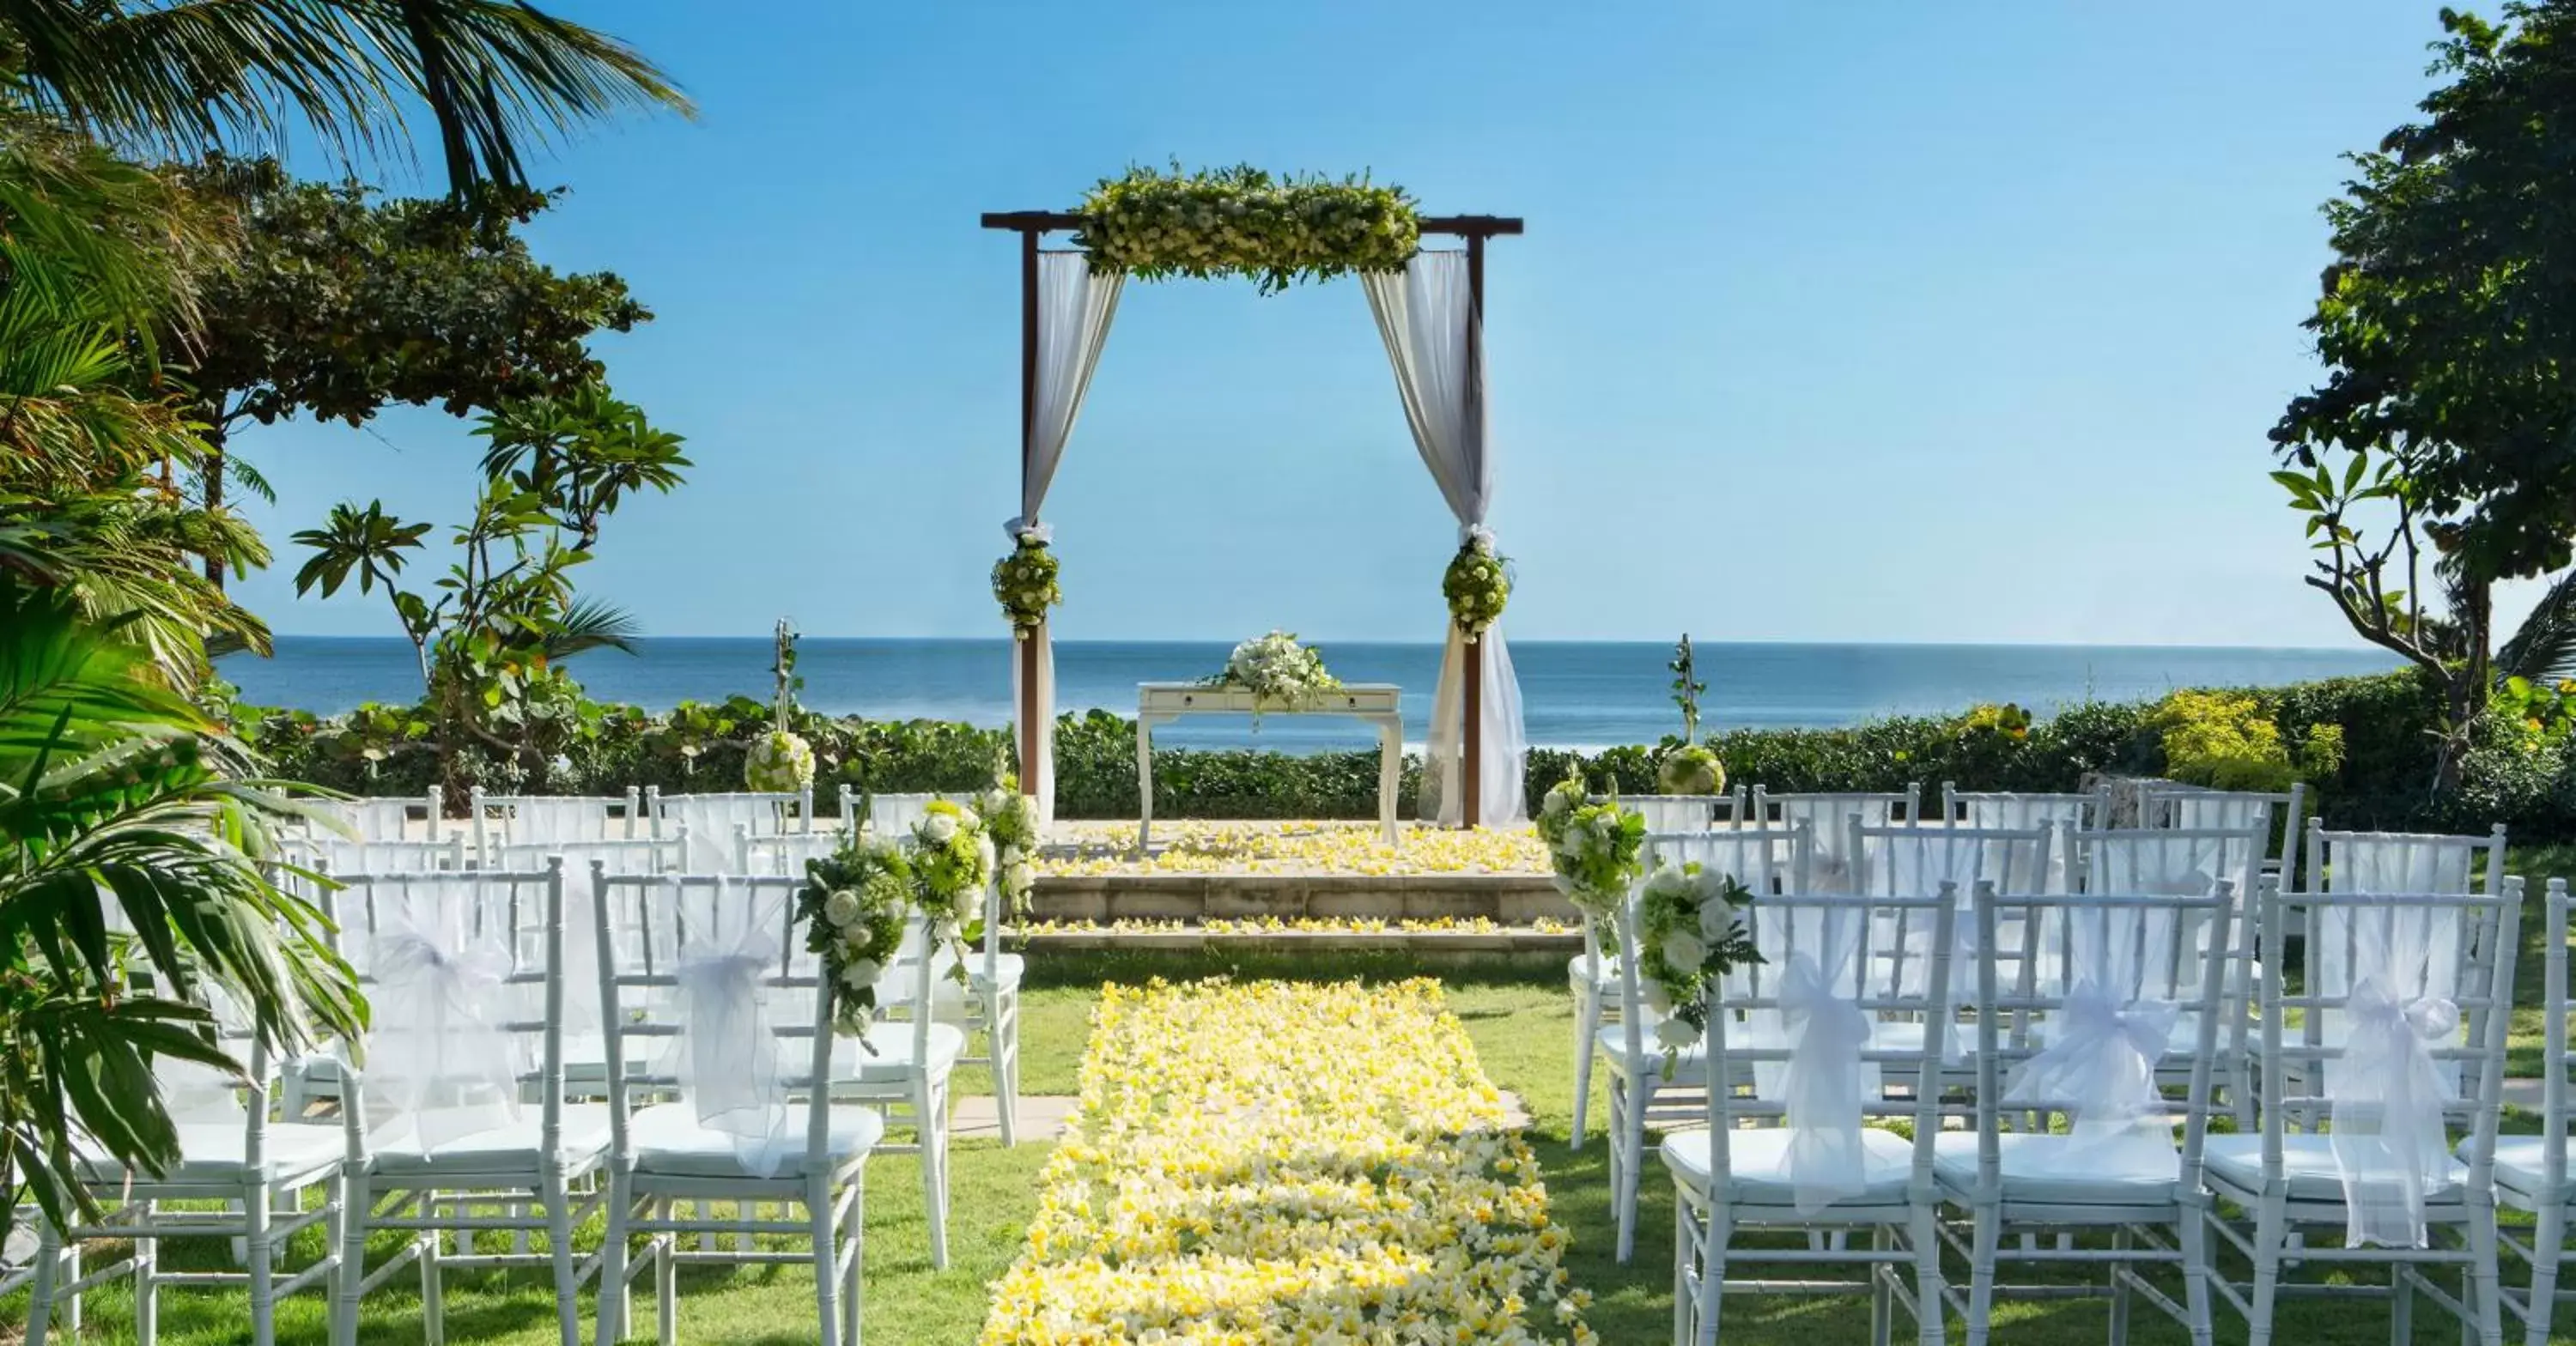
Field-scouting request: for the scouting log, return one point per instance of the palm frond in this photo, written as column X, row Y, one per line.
column 2543, row 649
column 590, row 624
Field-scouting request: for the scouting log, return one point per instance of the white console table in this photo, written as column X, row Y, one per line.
column 1375, row 702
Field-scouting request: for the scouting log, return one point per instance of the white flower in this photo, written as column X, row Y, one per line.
column 1018, row 877
column 938, row 828
column 1716, row 918
column 1683, row 952
column 1557, row 803
column 860, row 973
column 1606, row 822
column 984, row 852
column 1675, row 1034
column 1656, row 997
column 842, row 907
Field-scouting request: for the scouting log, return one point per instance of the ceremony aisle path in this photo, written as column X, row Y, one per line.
column 1275, row 1161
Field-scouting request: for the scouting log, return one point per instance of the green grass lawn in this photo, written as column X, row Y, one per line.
column 1523, row 1035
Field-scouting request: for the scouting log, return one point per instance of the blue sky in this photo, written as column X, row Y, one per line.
column 1878, row 321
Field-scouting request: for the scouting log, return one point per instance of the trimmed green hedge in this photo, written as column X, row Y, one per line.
column 2388, row 724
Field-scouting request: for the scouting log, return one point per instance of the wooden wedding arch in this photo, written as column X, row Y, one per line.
column 1033, row 226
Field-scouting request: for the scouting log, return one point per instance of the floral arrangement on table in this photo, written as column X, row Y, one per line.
column 1692, row 768
column 781, row 761
column 1477, row 585
column 1277, row 670
column 1690, row 932
column 853, row 905
column 1273, row 1161
column 1240, row 221
column 1024, row 580
column 952, row 865
column 1010, row 819
column 1594, row 847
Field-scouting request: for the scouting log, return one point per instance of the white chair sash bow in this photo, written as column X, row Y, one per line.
column 2388, row 1100
column 2100, row 1065
column 437, row 1056
column 1821, row 1089
column 727, row 1055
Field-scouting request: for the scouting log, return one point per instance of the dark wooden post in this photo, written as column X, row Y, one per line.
column 1027, row 653
column 1472, row 768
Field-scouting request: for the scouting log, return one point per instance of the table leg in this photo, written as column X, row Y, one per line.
column 1390, row 775
column 1144, row 783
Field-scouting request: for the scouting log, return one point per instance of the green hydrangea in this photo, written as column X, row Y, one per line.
column 778, row 763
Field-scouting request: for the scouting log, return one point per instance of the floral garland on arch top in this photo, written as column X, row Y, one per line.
column 1154, row 223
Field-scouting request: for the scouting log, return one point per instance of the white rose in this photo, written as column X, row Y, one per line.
column 842, row 907
column 1683, row 952
column 1019, row 878
column 1606, row 823
column 860, row 973
column 1556, row 803
column 1716, row 917
column 1656, row 997
column 984, row 852
column 938, row 828
column 1675, row 1034
column 968, row 902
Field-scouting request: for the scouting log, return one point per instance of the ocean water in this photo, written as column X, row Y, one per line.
column 1574, row 694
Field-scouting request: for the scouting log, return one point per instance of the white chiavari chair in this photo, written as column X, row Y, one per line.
column 1909, row 861
column 466, row 1125
column 543, row 820
column 2018, row 811
column 1593, row 978
column 342, row 855
column 1796, row 1076
column 2387, row 1019
column 712, row 818
column 1764, row 860
column 2531, row 1171
column 721, row 1079
column 2195, row 809
column 388, row 817
column 2072, row 1132
column 2193, row 862
column 1828, row 818
column 241, row 1176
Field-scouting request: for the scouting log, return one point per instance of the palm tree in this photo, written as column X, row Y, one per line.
column 117, row 797
column 92, row 251
column 180, row 76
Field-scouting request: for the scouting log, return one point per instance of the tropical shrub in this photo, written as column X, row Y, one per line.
column 2228, row 741
column 117, row 794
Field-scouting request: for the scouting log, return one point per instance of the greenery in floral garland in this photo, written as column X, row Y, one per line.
column 952, row 865
column 1024, row 583
column 853, row 905
column 1241, row 221
column 1275, row 668
column 1476, row 586
column 1010, row 819
column 1593, row 847
column 1690, row 932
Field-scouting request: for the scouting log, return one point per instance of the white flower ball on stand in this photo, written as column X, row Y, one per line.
column 778, row 763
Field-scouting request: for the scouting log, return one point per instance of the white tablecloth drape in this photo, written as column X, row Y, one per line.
column 1074, row 309
column 1425, row 314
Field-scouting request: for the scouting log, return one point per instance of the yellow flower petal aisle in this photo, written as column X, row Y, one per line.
column 1280, row 1162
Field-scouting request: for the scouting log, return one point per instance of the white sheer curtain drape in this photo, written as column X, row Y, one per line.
column 1074, row 309
column 1424, row 313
